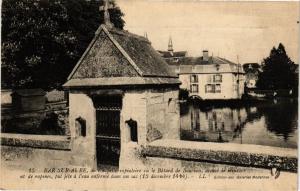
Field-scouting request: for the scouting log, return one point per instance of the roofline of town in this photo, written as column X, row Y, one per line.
column 212, row 72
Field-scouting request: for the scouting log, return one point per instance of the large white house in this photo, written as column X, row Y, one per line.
column 210, row 78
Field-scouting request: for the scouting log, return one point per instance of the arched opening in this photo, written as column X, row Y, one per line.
column 80, row 125
column 132, row 124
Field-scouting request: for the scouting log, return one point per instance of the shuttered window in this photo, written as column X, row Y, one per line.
column 212, row 88
column 194, row 88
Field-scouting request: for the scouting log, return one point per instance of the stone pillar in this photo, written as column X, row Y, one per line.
column 134, row 108
column 83, row 147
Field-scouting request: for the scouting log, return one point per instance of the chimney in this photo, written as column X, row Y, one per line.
column 205, row 55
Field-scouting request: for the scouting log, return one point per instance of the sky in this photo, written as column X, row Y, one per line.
column 244, row 31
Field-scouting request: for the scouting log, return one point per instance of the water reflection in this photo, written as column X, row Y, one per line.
column 265, row 123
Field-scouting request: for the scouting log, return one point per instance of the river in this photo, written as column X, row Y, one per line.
column 271, row 122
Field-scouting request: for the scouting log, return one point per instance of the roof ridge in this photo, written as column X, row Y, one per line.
column 128, row 58
column 124, row 32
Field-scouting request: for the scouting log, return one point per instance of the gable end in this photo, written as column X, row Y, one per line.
column 103, row 59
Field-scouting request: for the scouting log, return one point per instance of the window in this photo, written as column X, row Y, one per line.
column 212, row 88
column 194, row 88
column 218, row 88
column 208, row 88
column 194, row 79
column 217, row 78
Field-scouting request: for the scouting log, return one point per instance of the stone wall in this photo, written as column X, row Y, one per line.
column 59, row 151
column 35, row 150
column 52, row 121
column 36, row 141
column 233, row 154
column 163, row 113
column 153, row 110
column 134, row 107
column 44, row 151
column 157, row 115
column 28, row 157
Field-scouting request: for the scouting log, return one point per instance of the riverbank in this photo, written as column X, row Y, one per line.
column 246, row 101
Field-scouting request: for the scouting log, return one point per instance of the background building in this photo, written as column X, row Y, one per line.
column 208, row 77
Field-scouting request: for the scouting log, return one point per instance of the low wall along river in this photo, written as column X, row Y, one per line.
column 57, row 151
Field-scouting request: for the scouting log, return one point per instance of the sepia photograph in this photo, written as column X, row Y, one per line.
column 149, row 95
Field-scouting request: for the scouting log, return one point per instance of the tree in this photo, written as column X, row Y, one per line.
column 277, row 71
column 43, row 39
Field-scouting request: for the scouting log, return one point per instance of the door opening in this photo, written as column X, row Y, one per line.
column 108, row 109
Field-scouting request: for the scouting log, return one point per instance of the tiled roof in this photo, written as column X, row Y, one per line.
column 199, row 61
column 167, row 54
column 147, row 59
column 115, row 53
column 197, row 65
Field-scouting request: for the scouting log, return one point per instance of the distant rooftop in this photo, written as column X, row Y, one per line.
column 199, row 61
column 168, row 54
column 198, row 65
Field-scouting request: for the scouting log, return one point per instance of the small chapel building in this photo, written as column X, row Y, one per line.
column 121, row 92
